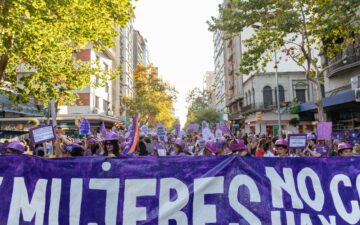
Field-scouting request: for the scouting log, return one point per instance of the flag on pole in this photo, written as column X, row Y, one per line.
column 133, row 137
column 102, row 130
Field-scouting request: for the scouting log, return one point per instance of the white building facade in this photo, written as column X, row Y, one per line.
column 219, row 58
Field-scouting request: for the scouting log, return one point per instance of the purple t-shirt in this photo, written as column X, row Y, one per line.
column 323, row 150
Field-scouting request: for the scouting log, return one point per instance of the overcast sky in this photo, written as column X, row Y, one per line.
column 179, row 41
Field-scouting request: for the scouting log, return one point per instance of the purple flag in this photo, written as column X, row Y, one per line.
column 324, row 130
column 102, row 129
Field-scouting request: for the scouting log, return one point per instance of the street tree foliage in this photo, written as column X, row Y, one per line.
column 200, row 107
column 153, row 97
column 42, row 38
column 304, row 30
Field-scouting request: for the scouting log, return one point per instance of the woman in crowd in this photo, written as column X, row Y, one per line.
column 281, row 148
column 111, row 145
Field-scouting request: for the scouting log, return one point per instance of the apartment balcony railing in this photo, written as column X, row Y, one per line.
column 257, row 107
column 347, row 59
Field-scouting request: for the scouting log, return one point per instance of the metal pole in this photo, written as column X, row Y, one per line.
column 53, row 112
column 277, row 92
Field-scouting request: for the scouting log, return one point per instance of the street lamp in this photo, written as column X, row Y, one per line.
column 277, row 83
column 277, row 91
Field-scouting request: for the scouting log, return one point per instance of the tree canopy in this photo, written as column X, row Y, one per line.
column 304, row 30
column 153, row 97
column 41, row 37
column 200, row 109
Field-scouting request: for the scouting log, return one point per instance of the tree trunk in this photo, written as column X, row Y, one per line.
column 4, row 59
column 318, row 101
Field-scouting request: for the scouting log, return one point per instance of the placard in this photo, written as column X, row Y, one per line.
column 161, row 133
column 297, row 141
column 84, row 127
column 42, row 134
column 324, row 130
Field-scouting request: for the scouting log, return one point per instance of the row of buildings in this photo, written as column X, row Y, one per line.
column 96, row 104
column 243, row 98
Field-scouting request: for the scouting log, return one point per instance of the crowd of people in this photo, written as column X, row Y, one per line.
column 113, row 144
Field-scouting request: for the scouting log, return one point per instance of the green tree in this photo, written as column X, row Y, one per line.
column 199, row 108
column 41, row 36
column 304, row 30
column 153, row 97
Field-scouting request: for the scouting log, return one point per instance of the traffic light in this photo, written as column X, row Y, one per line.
column 259, row 116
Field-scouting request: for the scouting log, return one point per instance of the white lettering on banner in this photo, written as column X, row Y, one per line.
column 249, row 183
column 288, row 185
column 55, row 201
column 305, row 219
column 135, row 188
column 203, row 214
column 358, row 185
column 76, row 191
column 324, row 221
column 111, row 186
column 290, row 219
column 352, row 217
column 169, row 208
column 20, row 203
column 319, row 199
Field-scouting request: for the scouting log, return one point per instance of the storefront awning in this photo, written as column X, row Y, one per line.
column 339, row 99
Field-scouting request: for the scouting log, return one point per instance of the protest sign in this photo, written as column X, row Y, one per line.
column 161, row 133
column 324, row 130
column 194, row 127
column 42, row 134
column 201, row 144
column 203, row 190
column 144, row 129
column 218, row 134
column 207, row 134
column 177, row 129
column 297, row 141
column 84, row 127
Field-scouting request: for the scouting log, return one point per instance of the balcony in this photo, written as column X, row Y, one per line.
column 347, row 59
column 257, row 107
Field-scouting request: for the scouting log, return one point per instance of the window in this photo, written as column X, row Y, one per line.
column 106, row 67
column 253, row 93
column 107, row 88
column 267, row 96
column 246, row 99
column 300, row 95
column 105, row 106
column 281, row 94
column 97, row 102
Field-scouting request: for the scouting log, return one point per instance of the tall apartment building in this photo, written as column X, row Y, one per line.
column 124, row 84
column 219, row 60
column 209, row 82
column 140, row 50
column 342, row 79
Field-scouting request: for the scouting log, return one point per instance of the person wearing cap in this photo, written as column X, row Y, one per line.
column 15, row 147
column 111, row 145
column 179, row 147
column 220, row 145
column 345, row 149
column 238, row 147
column 72, row 150
column 281, row 148
column 210, row 148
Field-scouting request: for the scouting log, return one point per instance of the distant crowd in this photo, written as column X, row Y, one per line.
column 192, row 144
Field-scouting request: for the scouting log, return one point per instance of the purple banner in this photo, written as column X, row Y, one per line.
column 225, row 190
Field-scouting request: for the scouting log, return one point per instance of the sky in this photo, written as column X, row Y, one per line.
column 179, row 42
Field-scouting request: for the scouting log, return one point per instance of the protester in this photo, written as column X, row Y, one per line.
column 179, row 147
column 73, row 150
column 260, row 152
column 15, row 147
column 345, row 149
column 356, row 151
column 111, row 145
column 281, row 148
